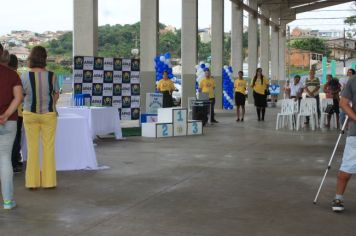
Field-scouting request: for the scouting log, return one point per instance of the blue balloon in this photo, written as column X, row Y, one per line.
column 202, row 66
column 170, row 76
column 167, row 55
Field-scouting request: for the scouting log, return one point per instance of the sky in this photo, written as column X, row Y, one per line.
column 43, row 15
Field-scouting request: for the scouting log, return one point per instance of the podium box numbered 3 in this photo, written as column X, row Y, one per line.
column 172, row 122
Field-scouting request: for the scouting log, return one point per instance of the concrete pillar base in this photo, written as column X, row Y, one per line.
column 187, row 84
column 148, row 85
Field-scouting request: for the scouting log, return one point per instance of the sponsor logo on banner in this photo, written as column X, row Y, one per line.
column 97, row 90
column 125, row 114
column 126, row 64
column 88, row 63
column 77, row 88
column 98, row 76
column 107, row 90
column 78, row 76
column 108, row 77
column 109, row 64
column 117, row 77
column 78, row 63
column 135, row 113
column 135, row 89
column 98, row 63
column 126, row 89
column 97, row 101
column 107, row 101
column 117, row 101
column 88, row 76
column 135, row 101
column 117, row 89
column 126, row 101
column 135, row 77
column 118, row 64
column 87, row 88
column 126, row 75
column 135, row 65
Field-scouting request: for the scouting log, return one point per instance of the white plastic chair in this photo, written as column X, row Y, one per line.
column 324, row 103
column 288, row 112
column 308, row 108
column 191, row 101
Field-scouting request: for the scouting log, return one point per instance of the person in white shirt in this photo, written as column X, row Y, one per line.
column 296, row 88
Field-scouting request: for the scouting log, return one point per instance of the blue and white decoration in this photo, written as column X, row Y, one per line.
column 200, row 74
column 228, row 88
column 163, row 63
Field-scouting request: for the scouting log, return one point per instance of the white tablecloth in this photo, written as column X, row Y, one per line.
column 74, row 148
column 102, row 120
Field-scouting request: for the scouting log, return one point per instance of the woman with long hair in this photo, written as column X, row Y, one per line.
column 41, row 91
column 260, row 87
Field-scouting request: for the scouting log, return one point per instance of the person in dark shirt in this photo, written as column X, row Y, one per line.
column 10, row 98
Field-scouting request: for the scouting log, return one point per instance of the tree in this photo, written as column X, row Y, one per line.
column 310, row 44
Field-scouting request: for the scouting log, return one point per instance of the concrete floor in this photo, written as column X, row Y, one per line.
column 237, row 179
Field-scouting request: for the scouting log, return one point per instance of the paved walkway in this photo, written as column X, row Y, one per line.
column 237, row 179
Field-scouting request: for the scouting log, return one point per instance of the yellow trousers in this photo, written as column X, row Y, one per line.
column 40, row 127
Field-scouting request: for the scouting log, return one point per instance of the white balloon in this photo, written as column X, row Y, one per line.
column 162, row 58
column 207, row 65
column 167, row 61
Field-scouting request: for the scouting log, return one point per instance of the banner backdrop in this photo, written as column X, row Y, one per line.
column 110, row 82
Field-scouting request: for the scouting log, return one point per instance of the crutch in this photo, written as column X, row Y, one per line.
column 331, row 159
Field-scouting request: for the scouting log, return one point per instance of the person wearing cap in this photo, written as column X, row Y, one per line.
column 207, row 85
column 166, row 87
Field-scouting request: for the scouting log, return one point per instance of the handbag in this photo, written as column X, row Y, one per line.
column 329, row 109
column 267, row 92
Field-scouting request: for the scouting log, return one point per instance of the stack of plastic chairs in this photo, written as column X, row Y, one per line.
column 191, row 101
column 308, row 108
column 324, row 103
column 288, row 111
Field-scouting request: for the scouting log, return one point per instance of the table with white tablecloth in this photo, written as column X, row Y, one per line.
column 74, row 149
column 102, row 120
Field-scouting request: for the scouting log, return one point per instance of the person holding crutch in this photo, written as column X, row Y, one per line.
column 348, row 165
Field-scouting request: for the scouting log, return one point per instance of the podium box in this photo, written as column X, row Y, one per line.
column 195, row 127
column 157, row 130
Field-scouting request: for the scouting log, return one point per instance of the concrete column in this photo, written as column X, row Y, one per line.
column 252, row 41
column 189, row 48
column 217, row 47
column 85, row 33
column 148, row 47
column 282, row 51
column 264, row 44
column 236, row 38
column 274, row 49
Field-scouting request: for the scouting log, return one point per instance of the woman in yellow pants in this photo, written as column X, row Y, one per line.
column 41, row 91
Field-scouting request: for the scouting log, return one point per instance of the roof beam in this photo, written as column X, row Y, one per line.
column 319, row 5
column 250, row 10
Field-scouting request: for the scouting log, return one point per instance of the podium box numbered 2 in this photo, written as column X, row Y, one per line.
column 172, row 122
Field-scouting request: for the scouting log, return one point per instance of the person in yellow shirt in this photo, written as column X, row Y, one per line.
column 166, row 87
column 16, row 157
column 260, row 85
column 207, row 85
column 240, row 86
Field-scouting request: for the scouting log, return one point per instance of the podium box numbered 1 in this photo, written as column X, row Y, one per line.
column 172, row 122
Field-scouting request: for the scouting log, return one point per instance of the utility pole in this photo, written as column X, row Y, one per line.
column 344, row 48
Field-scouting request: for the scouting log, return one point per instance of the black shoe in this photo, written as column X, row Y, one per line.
column 214, row 121
column 238, row 120
column 242, row 119
column 17, row 169
column 337, row 205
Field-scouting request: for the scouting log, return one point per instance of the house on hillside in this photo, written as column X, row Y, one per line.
column 341, row 46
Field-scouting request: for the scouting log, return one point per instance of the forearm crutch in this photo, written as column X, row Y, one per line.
column 331, row 158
